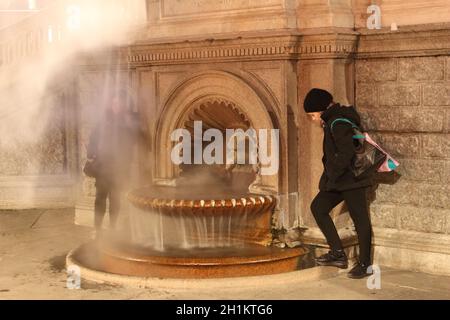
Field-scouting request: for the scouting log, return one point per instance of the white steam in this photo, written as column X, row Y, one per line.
column 38, row 58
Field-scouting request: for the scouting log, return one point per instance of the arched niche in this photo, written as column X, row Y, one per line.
column 189, row 94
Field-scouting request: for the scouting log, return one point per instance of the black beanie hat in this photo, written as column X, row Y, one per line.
column 317, row 100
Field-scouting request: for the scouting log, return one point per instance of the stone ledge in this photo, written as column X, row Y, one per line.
column 326, row 43
column 36, row 192
column 329, row 44
column 412, row 240
column 313, row 236
column 410, row 250
column 420, row 40
column 36, row 181
column 412, row 260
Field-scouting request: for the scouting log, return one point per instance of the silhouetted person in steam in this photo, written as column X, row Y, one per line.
column 111, row 148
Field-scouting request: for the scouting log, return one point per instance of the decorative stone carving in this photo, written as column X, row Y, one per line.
column 191, row 94
column 315, row 46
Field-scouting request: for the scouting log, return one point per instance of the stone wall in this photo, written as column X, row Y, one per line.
column 405, row 104
column 401, row 12
column 176, row 19
column 36, row 153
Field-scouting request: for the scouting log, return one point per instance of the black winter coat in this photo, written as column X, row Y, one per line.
column 111, row 144
column 339, row 150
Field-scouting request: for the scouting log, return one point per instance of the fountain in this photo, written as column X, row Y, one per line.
column 207, row 225
column 190, row 233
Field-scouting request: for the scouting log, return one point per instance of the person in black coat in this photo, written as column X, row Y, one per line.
column 338, row 183
column 111, row 146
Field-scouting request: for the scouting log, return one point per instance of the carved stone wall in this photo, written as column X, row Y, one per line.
column 36, row 153
column 173, row 89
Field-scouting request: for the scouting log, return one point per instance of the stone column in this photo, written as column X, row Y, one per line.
column 325, row 47
column 334, row 75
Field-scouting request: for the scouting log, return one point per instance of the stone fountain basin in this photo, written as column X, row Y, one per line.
column 207, row 213
column 228, row 262
column 246, row 250
column 203, row 200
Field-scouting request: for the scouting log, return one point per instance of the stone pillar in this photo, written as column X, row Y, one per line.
column 325, row 63
column 332, row 75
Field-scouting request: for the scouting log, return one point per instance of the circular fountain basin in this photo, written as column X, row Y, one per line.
column 192, row 232
column 199, row 216
column 199, row 201
column 252, row 260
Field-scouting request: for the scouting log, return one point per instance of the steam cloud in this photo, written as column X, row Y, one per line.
column 37, row 54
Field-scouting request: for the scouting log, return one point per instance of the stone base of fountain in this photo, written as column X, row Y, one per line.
column 251, row 260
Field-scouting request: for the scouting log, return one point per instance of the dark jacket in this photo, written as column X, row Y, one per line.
column 339, row 150
column 111, row 144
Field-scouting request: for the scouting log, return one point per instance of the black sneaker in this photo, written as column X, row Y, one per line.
column 359, row 271
column 333, row 258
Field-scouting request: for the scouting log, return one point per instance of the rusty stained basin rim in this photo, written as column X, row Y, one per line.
column 287, row 276
column 246, row 202
column 256, row 254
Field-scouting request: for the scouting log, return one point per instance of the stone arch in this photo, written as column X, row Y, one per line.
column 198, row 89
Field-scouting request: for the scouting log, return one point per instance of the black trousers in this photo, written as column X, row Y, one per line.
column 106, row 191
column 356, row 201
